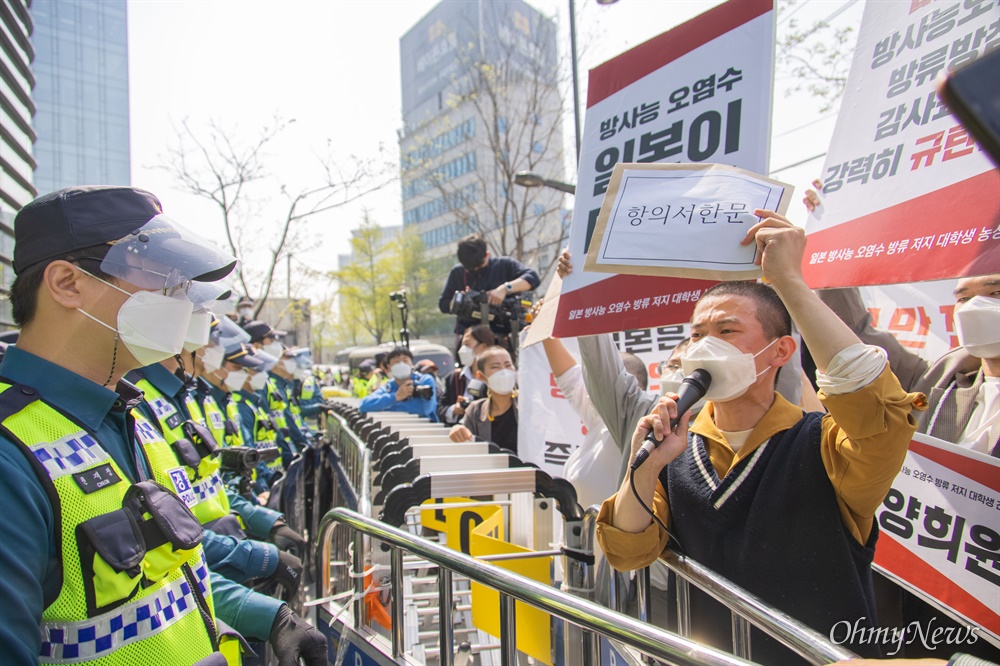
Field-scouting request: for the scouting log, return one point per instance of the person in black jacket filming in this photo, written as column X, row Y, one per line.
column 478, row 277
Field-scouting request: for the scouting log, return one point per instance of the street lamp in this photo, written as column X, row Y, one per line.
column 532, row 179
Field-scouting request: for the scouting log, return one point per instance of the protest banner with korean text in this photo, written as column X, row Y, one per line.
column 908, row 195
column 940, row 529
column 698, row 93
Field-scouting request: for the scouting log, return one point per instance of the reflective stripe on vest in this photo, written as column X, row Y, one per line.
column 75, row 642
column 202, row 489
column 161, row 619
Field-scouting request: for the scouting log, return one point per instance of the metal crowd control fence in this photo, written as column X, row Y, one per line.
column 357, row 445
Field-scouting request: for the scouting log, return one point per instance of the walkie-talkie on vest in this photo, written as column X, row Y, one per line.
column 692, row 389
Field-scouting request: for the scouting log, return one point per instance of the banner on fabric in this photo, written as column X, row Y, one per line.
column 908, row 194
column 921, row 316
column 940, row 529
column 698, row 93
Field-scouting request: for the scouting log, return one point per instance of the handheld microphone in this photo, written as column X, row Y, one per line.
column 692, row 389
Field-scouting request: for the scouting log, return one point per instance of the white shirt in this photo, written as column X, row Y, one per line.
column 983, row 428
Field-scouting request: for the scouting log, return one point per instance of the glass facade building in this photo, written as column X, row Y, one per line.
column 81, row 93
column 16, row 134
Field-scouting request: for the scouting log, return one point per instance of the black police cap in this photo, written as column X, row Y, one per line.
column 258, row 330
column 78, row 217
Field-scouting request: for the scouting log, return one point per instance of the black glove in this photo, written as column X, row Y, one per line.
column 287, row 539
column 288, row 574
column 292, row 638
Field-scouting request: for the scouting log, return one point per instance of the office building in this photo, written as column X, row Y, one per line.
column 16, row 134
column 481, row 102
column 81, row 93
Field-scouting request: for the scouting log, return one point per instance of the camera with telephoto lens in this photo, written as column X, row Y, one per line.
column 423, row 392
column 398, row 296
column 467, row 306
column 244, row 459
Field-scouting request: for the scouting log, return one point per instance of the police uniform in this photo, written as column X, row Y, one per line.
column 100, row 564
column 168, row 403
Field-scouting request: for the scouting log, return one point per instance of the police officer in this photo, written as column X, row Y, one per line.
column 362, row 385
column 90, row 571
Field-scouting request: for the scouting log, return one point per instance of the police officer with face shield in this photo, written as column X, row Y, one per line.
column 99, row 561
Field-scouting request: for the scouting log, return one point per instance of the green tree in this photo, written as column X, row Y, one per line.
column 365, row 283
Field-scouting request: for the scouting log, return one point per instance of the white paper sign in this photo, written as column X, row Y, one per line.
column 683, row 220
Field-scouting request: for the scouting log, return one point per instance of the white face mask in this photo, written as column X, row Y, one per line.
column 290, row 366
column 466, row 355
column 246, row 312
column 151, row 325
column 401, row 370
column 502, row 381
column 198, row 330
column 236, row 379
column 258, row 381
column 732, row 371
column 274, row 349
column 211, row 358
column 977, row 322
column 299, row 374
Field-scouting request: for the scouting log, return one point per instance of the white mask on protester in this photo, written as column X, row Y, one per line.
column 197, row 331
column 258, row 381
column 211, row 358
column 401, row 370
column 466, row 355
column 502, row 381
column 732, row 371
column 151, row 325
column 977, row 322
column 235, row 379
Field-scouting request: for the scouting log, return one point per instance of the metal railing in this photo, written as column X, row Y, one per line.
column 590, row 616
column 746, row 608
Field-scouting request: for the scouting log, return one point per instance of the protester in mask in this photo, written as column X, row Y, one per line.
column 620, row 400
column 779, row 501
column 100, row 290
column 244, row 310
column 963, row 390
column 496, row 277
column 456, row 398
column 493, row 418
column 963, row 386
column 402, row 393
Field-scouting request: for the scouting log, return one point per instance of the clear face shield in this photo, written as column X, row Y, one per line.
column 162, row 255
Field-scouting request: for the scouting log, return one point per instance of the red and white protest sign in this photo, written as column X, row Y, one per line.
column 908, row 195
column 940, row 529
column 698, row 93
column 921, row 316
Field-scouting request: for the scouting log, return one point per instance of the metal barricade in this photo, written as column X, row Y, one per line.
column 344, row 552
column 591, row 617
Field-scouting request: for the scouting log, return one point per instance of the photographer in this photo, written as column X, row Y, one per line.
column 457, row 396
column 406, row 391
column 496, row 277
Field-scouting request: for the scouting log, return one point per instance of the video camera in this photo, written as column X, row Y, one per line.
column 243, row 460
column 468, row 307
column 398, row 296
